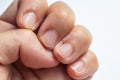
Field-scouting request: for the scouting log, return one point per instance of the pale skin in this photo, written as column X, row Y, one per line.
column 58, row 46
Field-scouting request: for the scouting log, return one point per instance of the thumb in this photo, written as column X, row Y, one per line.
column 23, row 44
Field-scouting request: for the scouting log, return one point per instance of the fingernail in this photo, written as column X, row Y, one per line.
column 64, row 50
column 29, row 20
column 78, row 67
column 49, row 38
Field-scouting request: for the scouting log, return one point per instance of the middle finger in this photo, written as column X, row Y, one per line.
column 59, row 22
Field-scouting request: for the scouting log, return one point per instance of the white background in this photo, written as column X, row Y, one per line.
column 102, row 18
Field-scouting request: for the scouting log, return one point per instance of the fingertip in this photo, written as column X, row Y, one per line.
column 84, row 67
column 31, row 15
column 76, row 70
column 72, row 46
column 58, row 23
column 28, row 20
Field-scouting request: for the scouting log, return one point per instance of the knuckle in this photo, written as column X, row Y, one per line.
column 84, row 34
column 25, row 34
column 62, row 11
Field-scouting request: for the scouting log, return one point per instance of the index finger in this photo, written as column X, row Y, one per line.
column 31, row 13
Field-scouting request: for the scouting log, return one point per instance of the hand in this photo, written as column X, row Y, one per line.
column 67, row 34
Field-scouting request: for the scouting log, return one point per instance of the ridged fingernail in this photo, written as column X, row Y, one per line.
column 78, row 66
column 64, row 50
column 29, row 20
column 49, row 38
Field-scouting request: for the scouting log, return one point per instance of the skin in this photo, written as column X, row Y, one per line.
column 22, row 48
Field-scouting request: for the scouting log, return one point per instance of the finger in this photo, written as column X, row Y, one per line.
column 26, row 73
column 10, row 14
column 31, row 13
column 59, row 22
column 31, row 51
column 56, row 73
column 73, row 45
column 4, row 72
column 84, row 67
column 15, row 74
